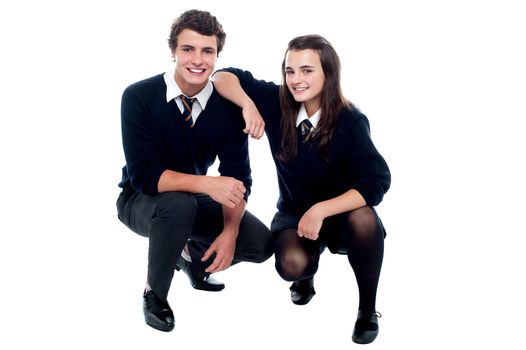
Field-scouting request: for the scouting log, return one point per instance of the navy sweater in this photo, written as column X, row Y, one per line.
column 353, row 162
column 156, row 138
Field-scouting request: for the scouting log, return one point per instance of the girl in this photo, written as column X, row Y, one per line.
column 330, row 174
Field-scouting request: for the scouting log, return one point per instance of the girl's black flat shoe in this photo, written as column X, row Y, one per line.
column 366, row 327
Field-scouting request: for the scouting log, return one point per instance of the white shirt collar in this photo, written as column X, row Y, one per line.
column 302, row 115
column 173, row 91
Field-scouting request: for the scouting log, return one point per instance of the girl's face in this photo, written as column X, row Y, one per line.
column 304, row 78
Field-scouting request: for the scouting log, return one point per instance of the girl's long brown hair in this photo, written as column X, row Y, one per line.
column 332, row 100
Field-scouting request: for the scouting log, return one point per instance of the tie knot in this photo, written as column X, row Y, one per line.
column 305, row 129
column 187, row 101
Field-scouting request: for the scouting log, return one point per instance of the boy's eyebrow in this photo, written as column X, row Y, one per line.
column 193, row 47
column 302, row 67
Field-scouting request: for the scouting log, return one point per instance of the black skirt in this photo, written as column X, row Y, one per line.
column 332, row 234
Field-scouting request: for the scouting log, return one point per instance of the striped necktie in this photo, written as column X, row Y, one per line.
column 187, row 106
column 305, row 128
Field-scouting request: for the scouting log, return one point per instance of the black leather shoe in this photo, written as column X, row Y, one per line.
column 206, row 283
column 302, row 291
column 366, row 327
column 157, row 312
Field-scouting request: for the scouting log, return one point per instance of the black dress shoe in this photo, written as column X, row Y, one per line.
column 157, row 312
column 205, row 283
column 366, row 327
column 302, row 291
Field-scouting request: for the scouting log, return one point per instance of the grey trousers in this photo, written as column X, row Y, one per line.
column 172, row 219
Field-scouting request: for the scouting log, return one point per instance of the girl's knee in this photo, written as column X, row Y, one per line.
column 363, row 221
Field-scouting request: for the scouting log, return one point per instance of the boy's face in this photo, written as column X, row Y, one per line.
column 195, row 57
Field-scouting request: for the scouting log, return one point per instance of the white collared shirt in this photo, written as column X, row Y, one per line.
column 173, row 91
column 302, row 115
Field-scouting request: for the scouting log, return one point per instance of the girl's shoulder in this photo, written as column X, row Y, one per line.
column 349, row 116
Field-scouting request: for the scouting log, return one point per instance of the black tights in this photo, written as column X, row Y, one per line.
column 297, row 257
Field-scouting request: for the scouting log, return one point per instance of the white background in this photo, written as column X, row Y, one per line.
column 443, row 85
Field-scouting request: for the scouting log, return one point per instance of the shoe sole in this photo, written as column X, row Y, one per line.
column 160, row 326
column 217, row 289
column 365, row 340
column 303, row 301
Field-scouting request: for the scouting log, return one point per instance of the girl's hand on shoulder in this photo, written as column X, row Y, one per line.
column 254, row 123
